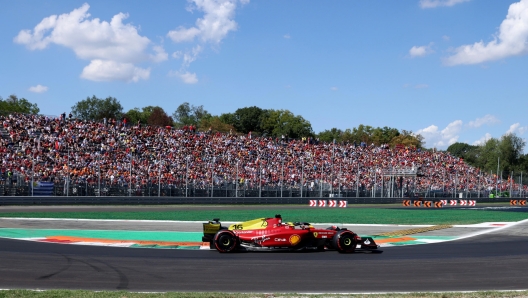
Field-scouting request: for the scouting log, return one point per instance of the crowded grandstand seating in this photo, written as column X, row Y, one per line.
column 68, row 151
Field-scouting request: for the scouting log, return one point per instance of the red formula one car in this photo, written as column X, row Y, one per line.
column 273, row 234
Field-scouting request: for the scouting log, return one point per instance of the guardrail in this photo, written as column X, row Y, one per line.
column 19, row 200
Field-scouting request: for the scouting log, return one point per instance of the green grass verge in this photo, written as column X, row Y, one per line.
column 317, row 215
column 122, row 294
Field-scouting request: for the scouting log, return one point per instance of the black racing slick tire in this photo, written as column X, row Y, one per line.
column 344, row 241
column 225, row 241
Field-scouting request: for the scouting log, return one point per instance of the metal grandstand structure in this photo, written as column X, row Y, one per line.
column 401, row 173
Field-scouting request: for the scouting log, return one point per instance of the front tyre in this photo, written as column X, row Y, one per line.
column 344, row 241
column 225, row 241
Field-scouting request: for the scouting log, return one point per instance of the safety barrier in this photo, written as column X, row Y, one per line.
column 60, row 200
column 331, row 203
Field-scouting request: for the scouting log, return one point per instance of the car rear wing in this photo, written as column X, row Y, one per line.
column 210, row 228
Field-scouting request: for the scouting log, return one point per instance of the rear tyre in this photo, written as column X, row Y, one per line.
column 344, row 241
column 225, row 241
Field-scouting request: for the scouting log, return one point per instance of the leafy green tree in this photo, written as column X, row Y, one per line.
column 187, row 114
column 134, row 115
column 18, row 105
column 93, row 108
column 383, row 135
column 469, row 153
column 249, row 119
column 330, row 135
column 489, row 155
column 215, row 123
column 511, row 149
column 284, row 122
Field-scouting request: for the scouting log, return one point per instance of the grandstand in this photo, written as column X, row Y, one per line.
column 43, row 155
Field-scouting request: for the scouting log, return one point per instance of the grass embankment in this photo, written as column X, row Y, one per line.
column 316, row 215
column 122, row 294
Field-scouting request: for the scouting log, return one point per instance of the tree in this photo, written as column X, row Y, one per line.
column 284, row 122
column 134, row 115
column 408, row 139
column 468, row 152
column 96, row 109
column 18, row 105
column 249, row 119
column 186, row 114
column 215, row 123
column 330, row 135
column 159, row 117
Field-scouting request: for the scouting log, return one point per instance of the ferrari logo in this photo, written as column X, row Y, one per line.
column 315, row 234
column 294, row 239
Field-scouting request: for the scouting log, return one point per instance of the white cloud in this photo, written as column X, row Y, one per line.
column 216, row 23
column 160, row 54
column 106, row 70
column 516, row 128
column 488, row 119
column 186, row 77
column 287, row 36
column 333, row 88
column 213, row 27
column 482, row 140
column 103, row 43
column 421, row 51
column 511, row 40
column 446, row 38
column 439, row 3
column 38, row 89
column 190, row 56
column 441, row 138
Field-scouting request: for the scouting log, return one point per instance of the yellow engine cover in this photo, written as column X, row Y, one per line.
column 259, row 223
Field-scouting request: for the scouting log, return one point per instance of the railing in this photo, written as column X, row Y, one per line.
column 227, row 190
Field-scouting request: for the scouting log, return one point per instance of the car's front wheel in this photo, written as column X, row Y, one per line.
column 344, row 241
column 225, row 241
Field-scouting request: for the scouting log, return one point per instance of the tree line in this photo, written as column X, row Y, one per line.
column 254, row 120
column 503, row 155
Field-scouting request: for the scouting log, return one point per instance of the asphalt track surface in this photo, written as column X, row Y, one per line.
column 493, row 261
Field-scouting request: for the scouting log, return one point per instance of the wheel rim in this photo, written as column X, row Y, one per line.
column 347, row 241
column 226, row 241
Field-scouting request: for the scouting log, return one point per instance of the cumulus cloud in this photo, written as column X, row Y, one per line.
column 482, row 140
column 488, row 119
column 421, row 51
column 102, row 43
column 186, row 77
column 213, row 27
column 516, row 128
column 160, row 54
column 106, row 70
column 441, row 138
column 38, row 89
column 511, row 40
column 439, row 3
column 216, row 23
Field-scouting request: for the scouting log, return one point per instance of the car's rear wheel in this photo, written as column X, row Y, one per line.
column 344, row 241
column 225, row 241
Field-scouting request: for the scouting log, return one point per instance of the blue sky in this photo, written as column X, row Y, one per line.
column 451, row 70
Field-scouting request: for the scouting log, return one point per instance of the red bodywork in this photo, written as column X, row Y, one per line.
column 279, row 234
column 272, row 233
